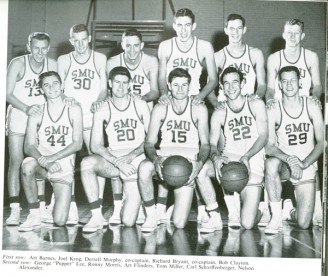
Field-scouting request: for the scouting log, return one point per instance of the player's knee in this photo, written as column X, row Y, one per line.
column 271, row 167
column 128, row 221
column 59, row 220
column 88, row 163
column 204, row 172
column 304, row 222
column 146, row 168
column 28, row 166
column 247, row 223
column 179, row 223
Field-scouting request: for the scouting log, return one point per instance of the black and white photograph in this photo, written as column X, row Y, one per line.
column 164, row 136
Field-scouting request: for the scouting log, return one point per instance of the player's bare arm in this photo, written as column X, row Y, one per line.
column 31, row 139
column 164, row 51
column 207, row 54
column 316, row 117
column 151, row 69
column 257, row 59
column 258, row 109
column 111, row 63
column 100, row 61
column 63, row 66
column 14, row 73
column 200, row 117
column 313, row 64
column 272, row 71
column 52, row 65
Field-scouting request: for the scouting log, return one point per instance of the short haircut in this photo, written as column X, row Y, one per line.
column 230, row 70
column 78, row 28
column 132, row 32
column 179, row 73
column 185, row 12
column 38, row 36
column 295, row 22
column 48, row 74
column 235, row 16
column 119, row 70
column 289, row 69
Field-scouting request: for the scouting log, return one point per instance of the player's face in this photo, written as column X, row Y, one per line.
column 235, row 30
column 289, row 84
column 51, row 87
column 293, row 35
column 39, row 49
column 132, row 47
column 120, row 86
column 232, row 85
column 179, row 87
column 80, row 41
column 183, row 27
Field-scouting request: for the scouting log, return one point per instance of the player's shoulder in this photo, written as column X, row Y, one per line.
column 99, row 55
column 204, row 44
column 274, row 58
column 52, row 62
column 63, row 58
column 166, row 42
column 312, row 103
column 76, row 109
column 17, row 61
column 255, row 51
column 256, row 104
column 310, row 55
column 148, row 57
column 199, row 108
column 114, row 60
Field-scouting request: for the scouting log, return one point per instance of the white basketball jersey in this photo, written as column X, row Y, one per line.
column 179, row 133
column 125, row 129
column 240, row 131
column 243, row 64
column 82, row 81
column 295, row 136
column 55, row 134
column 305, row 76
column 188, row 60
column 27, row 89
column 140, row 81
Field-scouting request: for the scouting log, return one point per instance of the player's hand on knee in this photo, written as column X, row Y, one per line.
column 34, row 110
column 165, row 99
column 245, row 160
column 196, row 167
column 218, row 162
column 158, row 164
column 128, row 169
column 296, row 172
column 315, row 100
column 44, row 160
column 53, row 167
column 196, row 100
column 271, row 103
column 70, row 101
column 125, row 159
column 293, row 160
column 220, row 105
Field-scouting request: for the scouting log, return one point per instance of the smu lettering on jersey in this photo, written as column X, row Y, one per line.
column 187, row 60
column 179, row 133
column 305, row 76
column 125, row 129
column 243, row 64
column 54, row 135
column 27, row 89
column 295, row 136
column 140, row 80
column 83, row 81
column 240, row 131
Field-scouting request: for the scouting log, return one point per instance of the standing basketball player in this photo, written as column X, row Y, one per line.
column 244, row 125
column 52, row 139
column 25, row 98
column 126, row 122
column 83, row 72
column 310, row 84
column 297, row 124
column 144, row 72
column 184, row 131
column 247, row 59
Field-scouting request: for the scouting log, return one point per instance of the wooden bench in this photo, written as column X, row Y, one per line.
column 109, row 33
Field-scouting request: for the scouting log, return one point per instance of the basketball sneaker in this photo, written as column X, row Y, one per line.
column 141, row 216
column 274, row 226
column 73, row 215
column 95, row 223
column 202, row 215
column 234, row 220
column 317, row 219
column 213, row 224
column 266, row 216
column 14, row 218
column 33, row 221
column 287, row 207
column 149, row 225
column 169, row 213
column 161, row 213
column 46, row 214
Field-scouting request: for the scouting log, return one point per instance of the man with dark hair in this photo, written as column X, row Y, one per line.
column 25, row 98
column 52, row 139
column 126, row 122
column 296, row 142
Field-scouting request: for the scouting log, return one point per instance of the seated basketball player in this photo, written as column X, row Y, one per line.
column 126, row 122
column 297, row 125
column 244, row 125
column 52, row 139
column 184, row 131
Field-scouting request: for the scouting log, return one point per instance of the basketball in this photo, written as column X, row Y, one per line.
column 234, row 176
column 176, row 170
